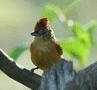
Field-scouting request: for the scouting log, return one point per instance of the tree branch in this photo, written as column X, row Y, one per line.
column 17, row 73
column 61, row 76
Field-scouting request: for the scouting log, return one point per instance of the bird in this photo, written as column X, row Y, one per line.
column 45, row 49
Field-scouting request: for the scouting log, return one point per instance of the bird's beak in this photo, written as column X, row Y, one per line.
column 34, row 33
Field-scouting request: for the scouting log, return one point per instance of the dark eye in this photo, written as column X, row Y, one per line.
column 36, row 31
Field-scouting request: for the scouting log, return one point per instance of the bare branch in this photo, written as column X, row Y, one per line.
column 17, row 73
column 62, row 76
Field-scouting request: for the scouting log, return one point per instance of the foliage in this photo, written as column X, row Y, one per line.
column 70, row 5
column 79, row 45
column 17, row 52
column 53, row 11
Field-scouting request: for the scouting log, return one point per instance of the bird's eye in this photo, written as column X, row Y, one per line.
column 36, row 31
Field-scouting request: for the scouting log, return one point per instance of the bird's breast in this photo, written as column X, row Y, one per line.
column 44, row 55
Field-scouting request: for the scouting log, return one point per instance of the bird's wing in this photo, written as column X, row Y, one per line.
column 58, row 48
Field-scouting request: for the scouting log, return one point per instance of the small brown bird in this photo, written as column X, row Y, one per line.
column 45, row 51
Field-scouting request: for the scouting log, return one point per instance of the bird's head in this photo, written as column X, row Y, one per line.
column 42, row 28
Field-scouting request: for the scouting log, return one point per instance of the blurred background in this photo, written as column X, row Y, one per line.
column 73, row 21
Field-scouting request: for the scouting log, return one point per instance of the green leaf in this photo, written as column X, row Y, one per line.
column 75, row 48
column 78, row 29
column 91, row 30
column 17, row 52
column 70, row 5
column 81, row 33
column 53, row 11
column 49, row 14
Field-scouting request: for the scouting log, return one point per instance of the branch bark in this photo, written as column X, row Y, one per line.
column 61, row 76
column 22, row 75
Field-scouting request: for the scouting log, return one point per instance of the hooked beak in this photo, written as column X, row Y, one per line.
column 34, row 33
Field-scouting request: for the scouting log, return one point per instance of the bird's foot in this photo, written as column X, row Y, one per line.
column 33, row 69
